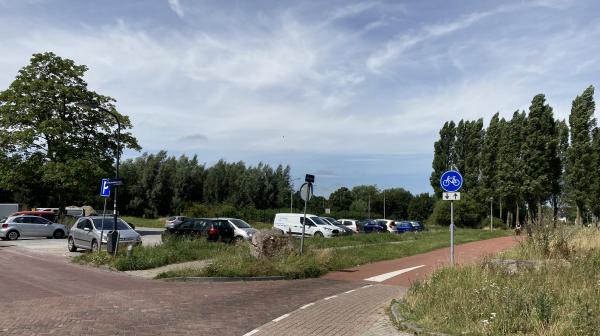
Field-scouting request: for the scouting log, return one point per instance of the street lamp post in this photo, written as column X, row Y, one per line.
column 115, row 233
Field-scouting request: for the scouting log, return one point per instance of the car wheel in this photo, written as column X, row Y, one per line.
column 94, row 245
column 318, row 234
column 71, row 245
column 12, row 235
column 58, row 234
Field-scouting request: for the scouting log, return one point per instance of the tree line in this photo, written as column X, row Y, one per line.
column 524, row 164
column 159, row 184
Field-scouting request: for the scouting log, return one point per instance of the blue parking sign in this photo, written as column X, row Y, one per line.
column 105, row 188
column 451, row 181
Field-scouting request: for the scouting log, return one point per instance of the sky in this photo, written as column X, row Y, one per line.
column 353, row 92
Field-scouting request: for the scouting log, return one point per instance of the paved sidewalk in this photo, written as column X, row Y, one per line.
column 359, row 312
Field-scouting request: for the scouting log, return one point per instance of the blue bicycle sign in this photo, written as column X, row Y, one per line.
column 451, row 181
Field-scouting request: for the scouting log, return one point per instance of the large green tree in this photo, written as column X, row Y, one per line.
column 54, row 149
column 540, row 151
column 580, row 156
column 467, row 151
column 489, row 159
column 443, row 155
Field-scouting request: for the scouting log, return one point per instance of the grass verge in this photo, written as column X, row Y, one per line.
column 145, row 222
column 317, row 261
column 173, row 251
column 560, row 297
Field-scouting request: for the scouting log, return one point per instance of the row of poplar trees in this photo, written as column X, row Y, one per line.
column 527, row 162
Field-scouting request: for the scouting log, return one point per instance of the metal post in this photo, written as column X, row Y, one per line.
column 102, row 229
column 308, row 187
column 452, row 233
column 491, row 214
column 291, row 199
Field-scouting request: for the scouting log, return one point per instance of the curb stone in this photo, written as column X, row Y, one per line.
column 412, row 327
column 224, row 279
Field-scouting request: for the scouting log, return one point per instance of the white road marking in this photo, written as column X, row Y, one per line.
column 385, row 276
column 251, row 332
column 281, row 318
column 307, row 305
column 330, row 297
column 367, row 286
column 350, row 291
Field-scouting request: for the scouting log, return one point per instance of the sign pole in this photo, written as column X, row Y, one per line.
column 102, row 229
column 452, row 233
column 304, row 221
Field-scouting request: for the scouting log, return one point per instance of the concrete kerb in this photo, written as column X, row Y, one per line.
column 405, row 325
column 224, row 279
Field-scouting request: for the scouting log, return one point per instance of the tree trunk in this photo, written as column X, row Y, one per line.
column 578, row 220
column 508, row 219
column 501, row 217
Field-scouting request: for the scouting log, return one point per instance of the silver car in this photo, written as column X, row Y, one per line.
column 14, row 227
column 85, row 233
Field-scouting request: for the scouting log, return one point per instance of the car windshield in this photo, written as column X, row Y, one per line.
column 108, row 224
column 241, row 224
column 318, row 221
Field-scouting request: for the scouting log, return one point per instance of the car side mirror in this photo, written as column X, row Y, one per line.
column 86, row 229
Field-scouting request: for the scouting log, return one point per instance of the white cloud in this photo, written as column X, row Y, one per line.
column 176, row 7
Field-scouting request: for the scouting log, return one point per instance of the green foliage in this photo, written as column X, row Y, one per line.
column 420, row 207
column 52, row 147
column 443, row 156
column 467, row 212
column 581, row 158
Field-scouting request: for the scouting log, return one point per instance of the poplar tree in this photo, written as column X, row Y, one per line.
column 489, row 158
column 539, row 152
column 580, row 156
column 443, row 155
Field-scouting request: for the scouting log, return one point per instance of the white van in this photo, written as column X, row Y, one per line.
column 315, row 226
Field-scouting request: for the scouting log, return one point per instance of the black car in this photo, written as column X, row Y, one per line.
column 344, row 231
column 212, row 229
column 371, row 225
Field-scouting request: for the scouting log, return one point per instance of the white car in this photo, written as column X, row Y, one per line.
column 241, row 229
column 350, row 223
column 291, row 223
column 389, row 224
column 14, row 227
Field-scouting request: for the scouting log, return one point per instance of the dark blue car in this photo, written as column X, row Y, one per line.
column 373, row 226
column 403, row 226
column 417, row 226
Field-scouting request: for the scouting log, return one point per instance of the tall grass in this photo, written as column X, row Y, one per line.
column 173, row 251
column 557, row 298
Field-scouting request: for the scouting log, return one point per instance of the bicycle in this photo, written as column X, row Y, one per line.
column 451, row 180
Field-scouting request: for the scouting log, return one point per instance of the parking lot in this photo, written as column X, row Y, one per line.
column 58, row 247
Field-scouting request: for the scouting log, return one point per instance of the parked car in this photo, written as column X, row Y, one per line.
column 14, row 227
column 194, row 227
column 417, row 226
column 292, row 223
column 49, row 215
column 403, row 226
column 389, row 224
column 344, row 231
column 352, row 224
column 371, row 225
column 85, row 233
column 170, row 222
column 241, row 229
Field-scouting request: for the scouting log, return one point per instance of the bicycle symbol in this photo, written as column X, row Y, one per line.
column 451, row 180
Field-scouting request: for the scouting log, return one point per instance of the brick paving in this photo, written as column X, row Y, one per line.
column 355, row 313
column 42, row 295
column 46, row 296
